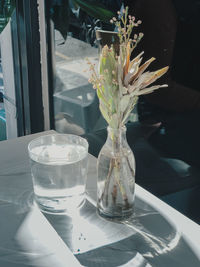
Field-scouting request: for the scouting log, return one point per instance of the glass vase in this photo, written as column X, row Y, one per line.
column 116, row 176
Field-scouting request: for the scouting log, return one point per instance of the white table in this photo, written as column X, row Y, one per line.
column 157, row 235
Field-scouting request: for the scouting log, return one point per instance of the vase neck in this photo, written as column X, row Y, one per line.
column 116, row 137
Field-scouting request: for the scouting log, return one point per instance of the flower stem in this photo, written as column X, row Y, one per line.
column 107, row 182
column 120, row 184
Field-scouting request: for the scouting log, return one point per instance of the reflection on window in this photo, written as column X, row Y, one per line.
column 75, row 101
column 8, row 121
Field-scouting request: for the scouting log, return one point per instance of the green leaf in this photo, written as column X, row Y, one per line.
column 114, row 121
column 108, row 69
column 102, row 98
column 104, row 113
column 112, row 105
column 124, row 90
column 95, row 9
column 100, row 95
column 124, row 103
column 129, row 109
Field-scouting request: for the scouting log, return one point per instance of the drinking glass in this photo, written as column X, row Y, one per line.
column 59, row 169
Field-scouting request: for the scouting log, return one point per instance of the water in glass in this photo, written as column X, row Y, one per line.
column 59, row 176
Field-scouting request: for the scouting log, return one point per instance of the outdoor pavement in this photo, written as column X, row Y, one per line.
column 71, row 64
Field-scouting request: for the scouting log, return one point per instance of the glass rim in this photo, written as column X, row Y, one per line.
column 58, row 134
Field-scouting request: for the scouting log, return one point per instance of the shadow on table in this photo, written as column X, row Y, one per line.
column 27, row 239
column 23, row 240
column 146, row 239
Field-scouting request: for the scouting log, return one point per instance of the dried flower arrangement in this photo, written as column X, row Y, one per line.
column 118, row 83
column 120, row 80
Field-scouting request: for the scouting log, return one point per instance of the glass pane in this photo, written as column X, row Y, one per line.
column 75, row 101
column 8, row 121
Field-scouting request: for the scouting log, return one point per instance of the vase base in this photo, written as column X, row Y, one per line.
column 115, row 216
